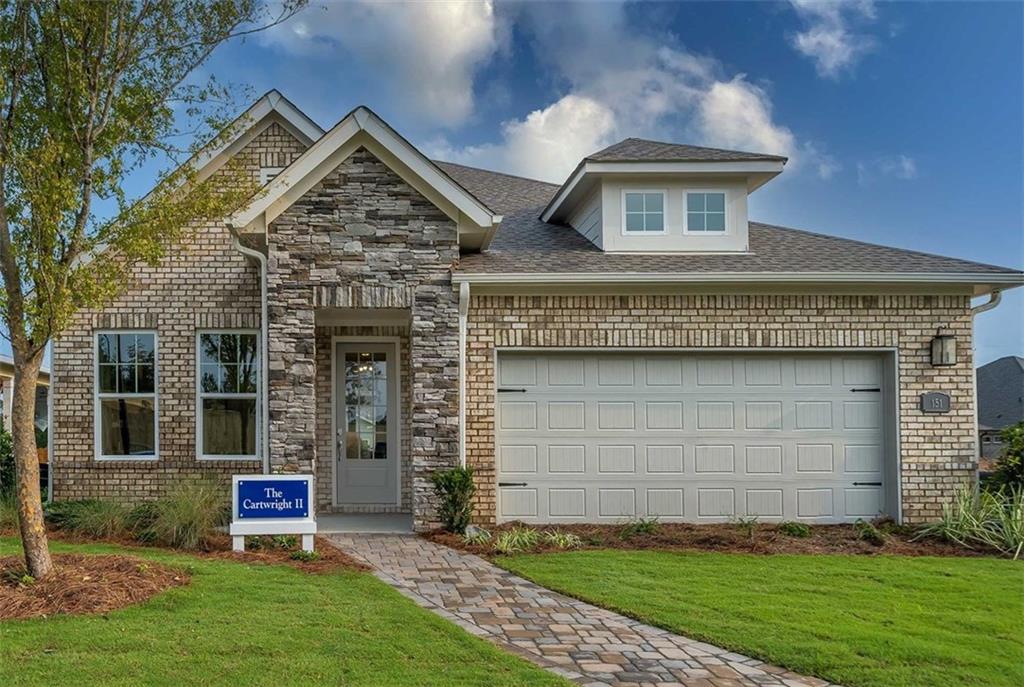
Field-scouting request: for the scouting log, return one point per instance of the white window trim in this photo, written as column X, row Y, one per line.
column 200, row 396
column 686, row 213
column 664, row 212
column 98, row 397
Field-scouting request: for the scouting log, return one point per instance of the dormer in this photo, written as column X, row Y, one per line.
column 640, row 196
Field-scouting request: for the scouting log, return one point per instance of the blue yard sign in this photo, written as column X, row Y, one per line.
column 273, row 498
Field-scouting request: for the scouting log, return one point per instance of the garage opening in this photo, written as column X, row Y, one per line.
column 697, row 437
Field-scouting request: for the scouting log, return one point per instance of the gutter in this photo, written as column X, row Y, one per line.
column 261, row 259
column 463, row 317
column 994, row 298
column 1008, row 278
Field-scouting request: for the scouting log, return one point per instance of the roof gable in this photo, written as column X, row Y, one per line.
column 362, row 128
column 271, row 108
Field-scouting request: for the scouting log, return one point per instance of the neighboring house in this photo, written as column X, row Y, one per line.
column 7, row 393
column 1000, row 404
column 626, row 344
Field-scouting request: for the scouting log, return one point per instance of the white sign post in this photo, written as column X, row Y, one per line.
column 272, row 504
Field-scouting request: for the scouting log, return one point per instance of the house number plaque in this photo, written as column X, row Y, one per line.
column 935, row 402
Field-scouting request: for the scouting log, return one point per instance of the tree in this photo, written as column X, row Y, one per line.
column 89, row 91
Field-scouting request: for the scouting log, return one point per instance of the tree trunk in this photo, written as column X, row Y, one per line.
column 26, row 461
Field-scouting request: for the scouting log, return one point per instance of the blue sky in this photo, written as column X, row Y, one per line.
column 904, row 122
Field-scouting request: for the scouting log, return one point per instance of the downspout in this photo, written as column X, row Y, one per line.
column 993, row 300
column 264, row 350
column 463, row 316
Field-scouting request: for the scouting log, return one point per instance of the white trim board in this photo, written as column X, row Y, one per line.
column 363, row 128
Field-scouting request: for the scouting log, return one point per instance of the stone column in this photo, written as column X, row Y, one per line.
column 434, row 363
column 292, row 383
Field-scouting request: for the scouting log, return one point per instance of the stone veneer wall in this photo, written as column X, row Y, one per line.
column 206, row 284
column 363, row 238
column 937, row 451
column 326, row 459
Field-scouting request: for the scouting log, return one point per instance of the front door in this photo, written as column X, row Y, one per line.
column 366, row 375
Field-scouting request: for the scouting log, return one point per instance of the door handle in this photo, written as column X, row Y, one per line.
column 511, row 484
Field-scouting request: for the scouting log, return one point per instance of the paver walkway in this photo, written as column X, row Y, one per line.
column 584, row 643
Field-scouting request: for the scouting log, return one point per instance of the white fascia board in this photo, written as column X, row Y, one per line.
column 998, row 279
column 300, row 125
column 759, row 167
column 310, row 168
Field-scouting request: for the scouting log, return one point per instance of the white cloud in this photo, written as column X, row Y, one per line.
column 648, row 85
column 427, row 53
column 900, row 167
column 545, row 145
column 829, row 37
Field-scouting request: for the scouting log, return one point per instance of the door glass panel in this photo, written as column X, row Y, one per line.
column 366, row 406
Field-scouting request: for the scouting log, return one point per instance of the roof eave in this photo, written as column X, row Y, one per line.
column 981, row 281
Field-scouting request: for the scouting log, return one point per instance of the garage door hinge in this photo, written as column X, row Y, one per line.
column 507, row 389
column 871, row 389
column 511, row 484
column 867, row 484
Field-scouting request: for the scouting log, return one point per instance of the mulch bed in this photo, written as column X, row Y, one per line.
column 729, row 538
column 82, row 584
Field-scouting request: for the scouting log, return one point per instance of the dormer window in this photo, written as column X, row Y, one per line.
column 705, row 212
column 644, row 212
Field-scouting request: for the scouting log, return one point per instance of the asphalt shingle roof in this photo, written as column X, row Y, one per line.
column 525, row 244
column 1001, row 392
column 640, row 149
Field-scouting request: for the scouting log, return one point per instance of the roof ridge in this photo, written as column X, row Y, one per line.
column 494, row 171
column 859, row 242
column 684, row 145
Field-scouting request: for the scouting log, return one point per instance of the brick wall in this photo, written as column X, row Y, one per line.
column 204, row 284
column 363, row 238
column 937, row 451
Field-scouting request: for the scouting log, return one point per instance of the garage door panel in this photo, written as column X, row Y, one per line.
column 681, row 437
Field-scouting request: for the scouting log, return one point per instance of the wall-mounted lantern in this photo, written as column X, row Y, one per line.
column 943, row 350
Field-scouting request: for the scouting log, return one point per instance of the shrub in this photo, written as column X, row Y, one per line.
column 638, row 527
column 8, row 512
column 795, row 529
column 561, row 540
column 7, row 473
column 993, row 519
column 868, row 532
column 516, row 540
column 93, row 518
column 188, row 517
column 477, row 537
column 304, row 556
column 454, row 489
column 747, row 525
column 1009, row 470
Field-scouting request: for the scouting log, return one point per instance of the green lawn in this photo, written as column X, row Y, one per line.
column 856, row 620
column 250, row 625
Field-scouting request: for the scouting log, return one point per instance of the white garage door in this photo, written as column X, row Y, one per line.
column 608, row 437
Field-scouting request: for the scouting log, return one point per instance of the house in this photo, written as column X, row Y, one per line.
column 1000, row 404
column 624, row 344
column 7, row 393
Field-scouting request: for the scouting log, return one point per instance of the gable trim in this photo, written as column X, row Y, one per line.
column 363, row 128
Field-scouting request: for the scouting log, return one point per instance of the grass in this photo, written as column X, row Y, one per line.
column 856, row 620
column 254, row 625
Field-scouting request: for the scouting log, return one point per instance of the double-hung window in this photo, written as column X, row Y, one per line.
column 126, row 398
column 227, row 422
column 644, row 212
column 705, row 211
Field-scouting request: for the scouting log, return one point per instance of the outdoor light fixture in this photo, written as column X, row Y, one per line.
column 943, row 350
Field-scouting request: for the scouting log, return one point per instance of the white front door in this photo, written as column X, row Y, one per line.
column 366, row 379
